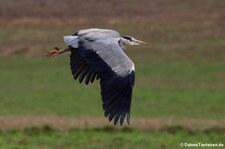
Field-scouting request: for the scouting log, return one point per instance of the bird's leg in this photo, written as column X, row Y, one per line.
column 57, row 51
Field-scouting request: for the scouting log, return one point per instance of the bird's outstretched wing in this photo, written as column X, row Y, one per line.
column 80, row 69
column 115, row 69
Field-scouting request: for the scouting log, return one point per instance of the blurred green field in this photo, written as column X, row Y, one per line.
column 181, row 76
column 183, row 69
column 164, row 88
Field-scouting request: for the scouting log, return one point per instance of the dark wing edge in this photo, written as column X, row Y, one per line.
column 117, row 96
column 80, row 69
column 116, row 90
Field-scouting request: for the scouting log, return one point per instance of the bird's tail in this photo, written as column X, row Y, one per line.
column 71, row 41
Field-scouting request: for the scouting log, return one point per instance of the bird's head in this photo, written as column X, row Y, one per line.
column 128, row 40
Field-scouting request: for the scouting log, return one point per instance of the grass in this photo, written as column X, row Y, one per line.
column 183, row 69
column 48, row 138
column 43, row 86
column 180, row 76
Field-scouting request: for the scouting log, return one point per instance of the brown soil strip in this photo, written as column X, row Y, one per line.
column 19, row 50
column 64, row 123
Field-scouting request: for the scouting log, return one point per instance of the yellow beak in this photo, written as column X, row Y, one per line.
column 141, row 42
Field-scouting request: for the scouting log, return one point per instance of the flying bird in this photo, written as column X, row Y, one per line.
column 99, row 54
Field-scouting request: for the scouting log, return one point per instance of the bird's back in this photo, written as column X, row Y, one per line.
column 96, row 33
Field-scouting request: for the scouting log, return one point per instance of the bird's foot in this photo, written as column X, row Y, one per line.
column 54, row 52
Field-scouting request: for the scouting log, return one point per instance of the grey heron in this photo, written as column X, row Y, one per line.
column 99, row 54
